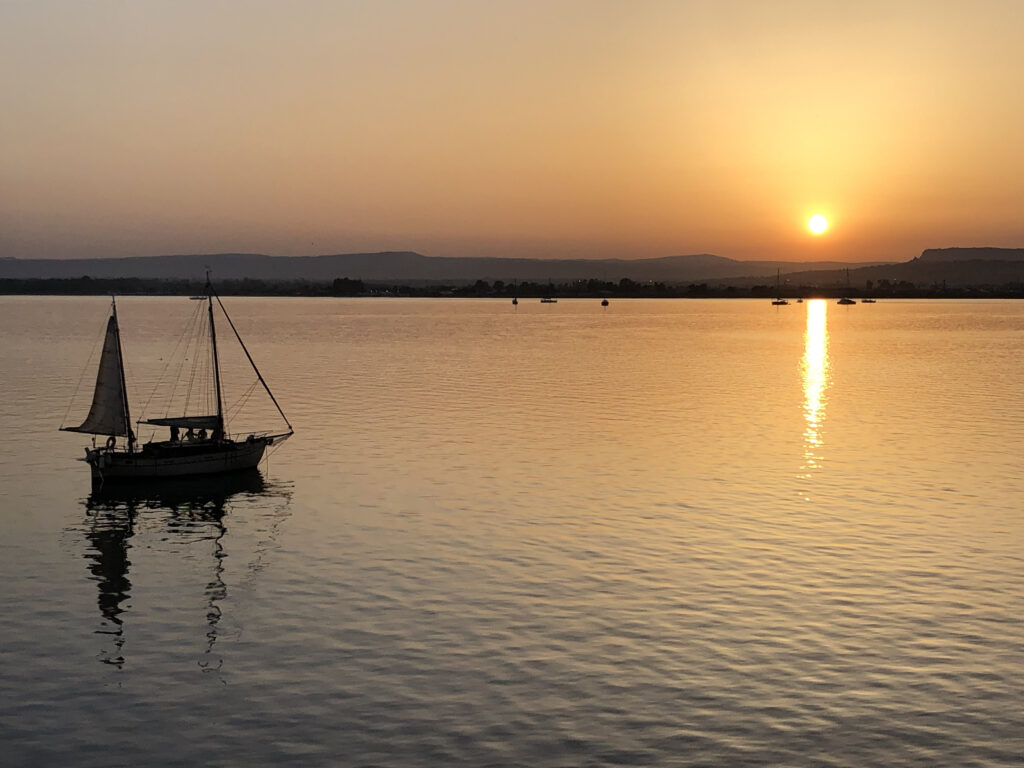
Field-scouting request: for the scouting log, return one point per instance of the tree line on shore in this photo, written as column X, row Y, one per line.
column 593, row 288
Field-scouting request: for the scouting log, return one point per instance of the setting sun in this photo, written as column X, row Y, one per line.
column 817, row 224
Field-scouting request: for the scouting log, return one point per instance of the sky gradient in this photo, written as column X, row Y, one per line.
column 538, row 129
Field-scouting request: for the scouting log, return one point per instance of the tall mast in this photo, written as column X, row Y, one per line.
column 120, row 370
column 216, row 361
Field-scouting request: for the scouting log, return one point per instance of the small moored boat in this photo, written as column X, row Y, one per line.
column 846, row 300
column 778, row 301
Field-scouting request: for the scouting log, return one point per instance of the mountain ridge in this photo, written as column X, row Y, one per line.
column 955, row 266
column 400, row 266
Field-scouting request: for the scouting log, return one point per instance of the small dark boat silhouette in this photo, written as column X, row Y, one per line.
column 846, row 300
column 779, row 301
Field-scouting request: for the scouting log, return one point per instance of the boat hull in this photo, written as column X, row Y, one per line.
column 177, row 461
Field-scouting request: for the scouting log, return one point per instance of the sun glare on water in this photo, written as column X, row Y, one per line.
column 817, row 224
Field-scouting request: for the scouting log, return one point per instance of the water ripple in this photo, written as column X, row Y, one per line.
column 556, row 536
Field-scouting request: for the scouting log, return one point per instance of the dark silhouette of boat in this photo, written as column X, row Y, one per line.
column 778, row 301
column 846, row 300
column 206, row 447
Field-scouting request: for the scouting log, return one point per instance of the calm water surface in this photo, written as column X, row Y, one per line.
column 664, row 533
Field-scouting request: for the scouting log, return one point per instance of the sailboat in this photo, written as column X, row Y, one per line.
column 206, row 448
column 846, row 300
column 779, row 301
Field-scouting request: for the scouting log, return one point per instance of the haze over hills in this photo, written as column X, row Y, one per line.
column 972, row 254
column 402, row 266
column 952, row 266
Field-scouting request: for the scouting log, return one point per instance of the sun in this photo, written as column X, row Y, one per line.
column 817, row 224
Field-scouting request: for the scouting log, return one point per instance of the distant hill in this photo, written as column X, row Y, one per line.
column 404, row 266
column 947, row 267
column 972, row 254
column 952, row 267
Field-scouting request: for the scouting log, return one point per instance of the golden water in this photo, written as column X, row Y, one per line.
column 661, row 533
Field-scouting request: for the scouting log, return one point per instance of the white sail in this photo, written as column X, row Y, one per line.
column 107, row 416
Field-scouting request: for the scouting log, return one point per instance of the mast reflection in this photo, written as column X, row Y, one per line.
column 110, row 533
column 194, row 509
column 815, row 370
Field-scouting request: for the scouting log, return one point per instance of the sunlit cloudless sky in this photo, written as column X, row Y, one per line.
column 539, row 129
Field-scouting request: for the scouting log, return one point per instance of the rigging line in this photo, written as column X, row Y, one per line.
column 236, row 409
column 180, row 377
column 248, row 394
column 251, row 361
column 178, row 380
column 163, row 374
column 236, row 406
column 85, row 368
column 271, row 450
column 191, row 381
column 196, row 362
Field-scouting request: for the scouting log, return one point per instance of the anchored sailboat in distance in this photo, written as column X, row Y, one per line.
column 846, row 300
column 778, row 301
column 205, row 449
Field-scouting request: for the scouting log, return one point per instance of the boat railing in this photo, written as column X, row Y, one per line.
column 266, row 434
column 238, row 437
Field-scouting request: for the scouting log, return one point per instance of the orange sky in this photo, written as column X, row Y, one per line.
column 543, row 129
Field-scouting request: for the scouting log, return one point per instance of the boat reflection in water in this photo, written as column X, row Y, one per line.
column 192, row 510
column 815, row 371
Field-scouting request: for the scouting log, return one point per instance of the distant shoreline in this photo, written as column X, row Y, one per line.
column 590, row 289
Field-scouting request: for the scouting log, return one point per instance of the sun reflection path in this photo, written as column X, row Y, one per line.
column 815, row 374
